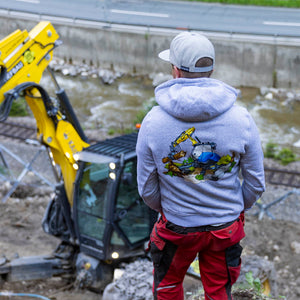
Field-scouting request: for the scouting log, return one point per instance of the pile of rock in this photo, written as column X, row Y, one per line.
column 107, row 76
column 136, row 280
column 286, row 97
column 84, row 71
column 134, row 284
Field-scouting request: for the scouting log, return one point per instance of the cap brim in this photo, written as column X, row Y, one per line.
column 165, row 55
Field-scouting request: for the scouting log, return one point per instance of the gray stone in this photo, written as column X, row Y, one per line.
column 261, row 268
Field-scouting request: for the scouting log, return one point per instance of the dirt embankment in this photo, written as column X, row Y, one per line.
column 21, row 232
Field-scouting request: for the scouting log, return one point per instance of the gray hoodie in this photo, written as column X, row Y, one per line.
column 191, row 149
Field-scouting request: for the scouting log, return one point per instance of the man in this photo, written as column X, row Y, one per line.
column 191, row 149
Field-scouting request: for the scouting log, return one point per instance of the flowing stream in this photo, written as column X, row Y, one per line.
column 115, row 106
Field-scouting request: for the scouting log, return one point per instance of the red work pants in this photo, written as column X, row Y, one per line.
column 174, row 248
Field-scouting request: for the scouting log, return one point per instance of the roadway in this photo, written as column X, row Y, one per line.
column 167, row 14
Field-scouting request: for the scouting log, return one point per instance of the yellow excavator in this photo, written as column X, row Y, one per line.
column 96, row 213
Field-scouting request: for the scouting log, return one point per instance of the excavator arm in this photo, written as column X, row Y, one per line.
column 23, row 59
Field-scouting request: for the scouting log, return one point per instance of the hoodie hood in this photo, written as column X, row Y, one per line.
column 195, row 100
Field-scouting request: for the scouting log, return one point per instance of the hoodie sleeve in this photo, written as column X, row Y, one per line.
column 252, row 167
column 147, row 176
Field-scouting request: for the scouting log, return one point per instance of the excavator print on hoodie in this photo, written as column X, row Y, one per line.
column 203, row 163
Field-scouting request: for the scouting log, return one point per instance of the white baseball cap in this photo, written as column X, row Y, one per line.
column 186, row 49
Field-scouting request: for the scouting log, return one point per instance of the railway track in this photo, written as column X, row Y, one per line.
column 282, row 177
column 21, row 132
column 17, row 131
column 273, row 176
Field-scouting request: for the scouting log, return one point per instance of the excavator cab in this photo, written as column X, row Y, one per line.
column 108, row 220
column 112, row 221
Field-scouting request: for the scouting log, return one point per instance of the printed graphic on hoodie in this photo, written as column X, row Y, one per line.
column 201, row 164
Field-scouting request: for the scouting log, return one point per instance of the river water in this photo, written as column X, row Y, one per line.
column 114, row 107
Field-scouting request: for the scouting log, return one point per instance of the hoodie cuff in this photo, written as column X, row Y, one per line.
column 250, row 195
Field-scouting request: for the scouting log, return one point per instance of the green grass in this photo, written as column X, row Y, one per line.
column 278, row 3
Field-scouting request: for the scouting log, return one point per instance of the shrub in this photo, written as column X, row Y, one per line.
column 271, row 150
column 286, row 156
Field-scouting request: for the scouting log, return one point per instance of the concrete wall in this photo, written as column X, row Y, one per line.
column 240, row 60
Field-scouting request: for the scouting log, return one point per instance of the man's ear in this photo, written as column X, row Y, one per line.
column 176, row 72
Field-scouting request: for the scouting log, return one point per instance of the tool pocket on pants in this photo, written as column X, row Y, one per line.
column 233, row 261
column 157, row 245
column 162, row 253
column 156, row 254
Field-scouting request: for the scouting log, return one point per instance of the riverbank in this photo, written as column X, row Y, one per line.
column 121, row 96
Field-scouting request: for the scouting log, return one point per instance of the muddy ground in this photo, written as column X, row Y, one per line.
column 21, row 234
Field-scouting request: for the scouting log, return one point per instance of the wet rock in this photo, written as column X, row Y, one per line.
column 264, row 90
column 269, row 96
column 290, row 95
column 73, row 71
column 65, row 71
column 274, row 91
column 84, row 75
column 94, row 75
column 107, row 76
